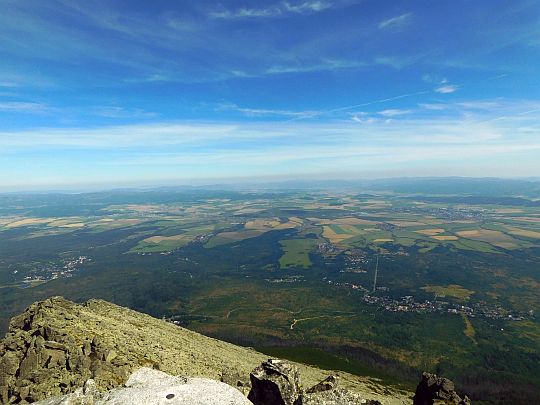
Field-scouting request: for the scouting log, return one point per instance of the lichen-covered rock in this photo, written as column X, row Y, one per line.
column 327, row 392
column 329, row 383
column 277, row 382
column 434, row 390
column 40, row 359
column 274, row 382
column 235, row 379
column 336, row 396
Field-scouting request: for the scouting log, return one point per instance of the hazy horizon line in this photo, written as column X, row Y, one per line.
column 236, row 182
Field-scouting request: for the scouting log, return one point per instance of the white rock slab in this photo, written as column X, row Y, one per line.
column 151, row 387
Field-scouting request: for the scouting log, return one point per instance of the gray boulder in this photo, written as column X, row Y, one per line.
column 151, row 387
column 277, row 382
column 327, row 392
column 274, row 382
column 434, row 390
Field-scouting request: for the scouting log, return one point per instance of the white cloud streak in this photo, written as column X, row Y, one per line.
column 396, row 22
column 446, row 89
column 279, row 10
column 261, row 112
column 22, row 107
column 393, row 112
column 206, row 149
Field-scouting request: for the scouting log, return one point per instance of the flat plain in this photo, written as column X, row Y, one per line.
column 293, row 273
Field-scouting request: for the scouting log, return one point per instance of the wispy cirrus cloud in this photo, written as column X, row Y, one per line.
column 442, row 86
column 394, row 112
column 378, row 116
column 446, row 89
column 121, row 112
column 262, row 112
column 396, row 22
column 247, row 135
column 22, row 106
column 333, row 112
column 308, row 6
column 277, row 10
column 433, row 106
column 9, row 84
column 493, row 132
column 321, row 66
column 397, row 62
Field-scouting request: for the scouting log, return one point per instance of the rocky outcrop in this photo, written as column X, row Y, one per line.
column 152, row 387
column 277, row 382
column 39, row 361
column 274, row 382
column 56, row 346
column 434, row 390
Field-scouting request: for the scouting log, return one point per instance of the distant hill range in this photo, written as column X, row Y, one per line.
column 474, row 186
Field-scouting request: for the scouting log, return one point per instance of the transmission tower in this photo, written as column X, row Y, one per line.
column 376, row 271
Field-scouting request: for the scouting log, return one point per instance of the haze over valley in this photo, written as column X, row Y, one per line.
column 349, row 184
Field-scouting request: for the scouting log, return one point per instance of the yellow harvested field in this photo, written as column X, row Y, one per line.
column 508, row 211
column 28, row 221
column 431, row 232
column 62, row 222
column 262, row 223
column 241, row 235
column 317, row 206
column 334, row 237
column 523, row 232
column 128, row 221
column 158, row 239
column 354, row 221
column 349, row 229
column 376, row 202
column 109, row 223
column 432, row 221
column 526, row 219
column 144, row 208
column 296, row 219
column 73, row 225
column 320, row 221
column 288, row 225
column 495, row 238
column 272, row 223
column 476, row 233
column 248, row 210
column 445, row 237
column 376, row 206
column 382, row 240
column 344, row 221
column 406, row 223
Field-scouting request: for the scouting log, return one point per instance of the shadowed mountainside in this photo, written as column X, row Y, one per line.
column 56, row 345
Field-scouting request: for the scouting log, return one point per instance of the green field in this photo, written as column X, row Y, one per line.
column 452, row 290
column 296, row 252
column 290, row 270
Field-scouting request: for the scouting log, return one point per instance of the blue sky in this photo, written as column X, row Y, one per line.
column 161, row 92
